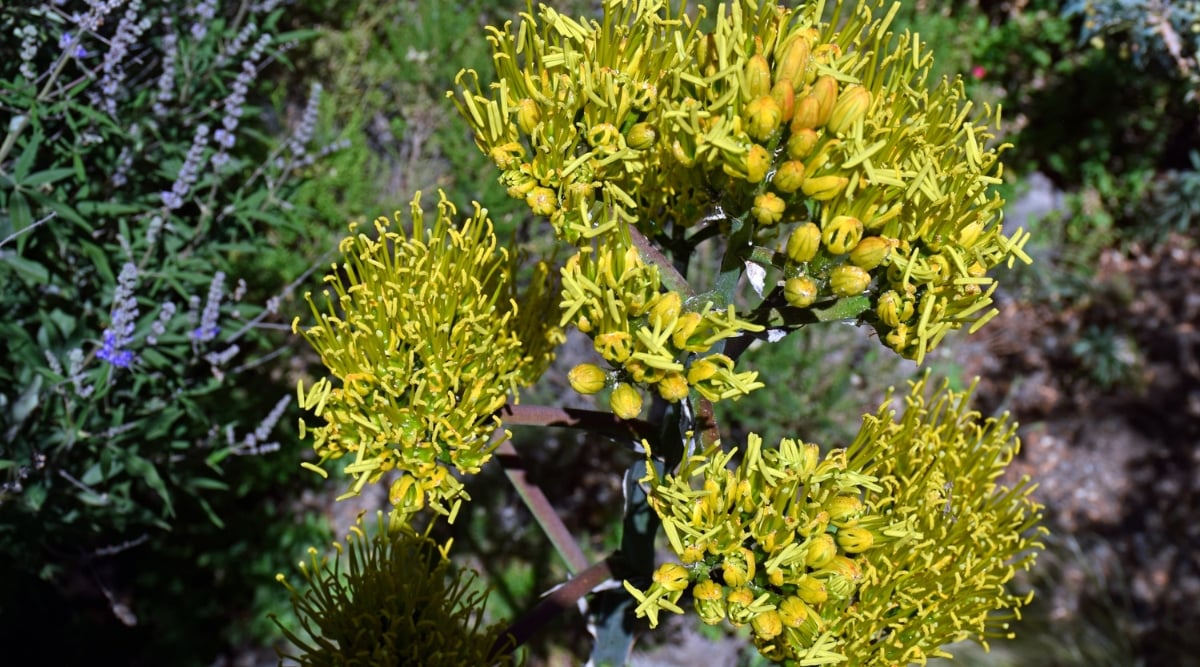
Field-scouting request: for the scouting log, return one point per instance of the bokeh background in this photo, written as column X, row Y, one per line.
column 144, row 510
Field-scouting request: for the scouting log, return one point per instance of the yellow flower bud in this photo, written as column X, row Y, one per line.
column 768, row 209
column 542, row 201
column 767, row 625
column 710, row 601
column 587, row 378
column 795, row 613
column 789, row 176
column 673, row 388
column 848, row 280
column 855, row 540
column 406, row 493
column 758, row 162
column 803, row 242
column 851, row 107
column 757, row 77
column 870, row 252
column 692, row 554
column 685, row 326
column 681, row 154
column 641, row 136
column 811, row 590
column 801, row 144
column 701, row 370
column 584, row 324
column 811, row 454
column 671, row 576
column 825, row 90
column 626, row 402
column 791, row 61
column 508, row 156
column 737, row 605
column 763, row 116
column 805, row 115
column 821, row 550
column 665, row 310
column 785, row 96
column 897, row 338
column 843, row 508
column 824, row 188
column 842, row 234
column 738, row 567
column 528, row 115
column 800, row 292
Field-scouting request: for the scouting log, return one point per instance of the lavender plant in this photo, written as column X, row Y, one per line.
column 137, row 189
column 837, row 184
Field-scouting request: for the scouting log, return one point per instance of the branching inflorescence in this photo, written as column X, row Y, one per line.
column 809, row 146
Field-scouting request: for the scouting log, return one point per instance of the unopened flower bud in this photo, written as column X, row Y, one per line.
column 842, row 234
column 802, row 143
column 843, row 508
column 848, row 280
column 768, row 209
column 785, row 96
column 851, row 107
column 821, row 550
column 528, row 115
column 685, row 326
column 824, row 188
column 789, row 176
column 673, row 388
column 855, row 540
column 805, row 115
column 803, row 242
column 758, row 162
column 794, row 612
column 767, row 625
column 870, row 252
column 800, row 292
column 665, row 310
column 641, row 136
column 626, row 402
column 791, row 61
column 701, row 370
column 825, row 90
column 587, row 378
column 758, row 77
column 811, row 590
column 763, row 116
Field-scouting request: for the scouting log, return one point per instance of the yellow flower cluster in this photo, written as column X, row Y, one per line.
column 938, row 465
column 426, row 342
column 609, row 293
column 880, row 554
column 775, row 117
column 779, row 543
